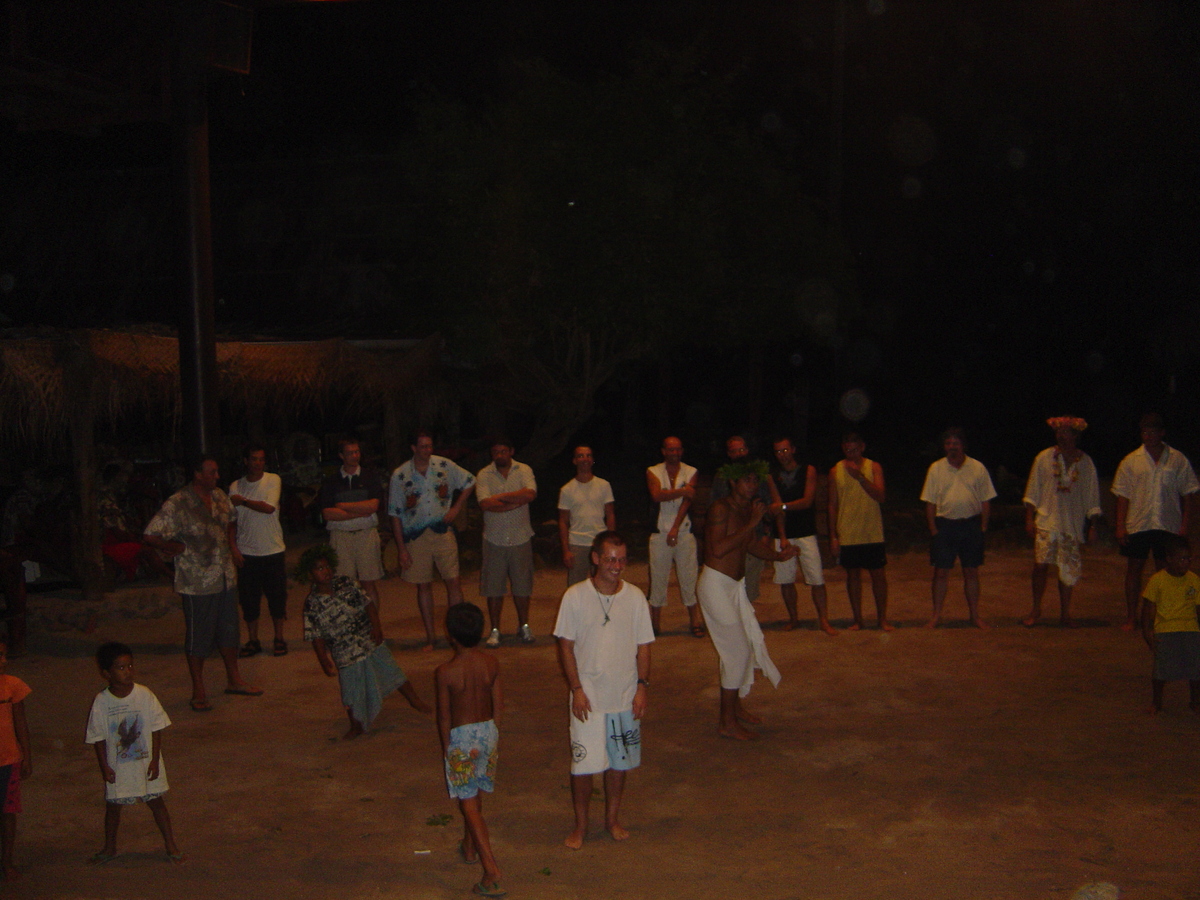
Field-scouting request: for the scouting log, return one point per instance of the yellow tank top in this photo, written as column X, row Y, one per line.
column 859, row 521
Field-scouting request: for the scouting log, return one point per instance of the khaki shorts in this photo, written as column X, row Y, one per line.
column 358, row 553
column 507, row 565
column 430, row 549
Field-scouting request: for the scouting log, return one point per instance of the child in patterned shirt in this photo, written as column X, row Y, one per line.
column 342, row 623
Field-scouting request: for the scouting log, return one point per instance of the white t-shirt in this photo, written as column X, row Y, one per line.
column 126, row 724
column 585, row 501
column 958, row 493
column 259, row 534
column 1154, row 489
column 668, row 510
column 605, row 652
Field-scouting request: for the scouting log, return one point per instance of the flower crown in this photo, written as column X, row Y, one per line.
column 731, row 472
column 1073, row 422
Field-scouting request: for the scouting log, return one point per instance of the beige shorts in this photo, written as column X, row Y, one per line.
column 358, row 553
column 504, row 566
column 428, row 550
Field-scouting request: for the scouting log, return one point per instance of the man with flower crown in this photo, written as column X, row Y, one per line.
column 1062, row 505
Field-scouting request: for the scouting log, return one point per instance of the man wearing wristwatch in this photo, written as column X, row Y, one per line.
column 604, row 636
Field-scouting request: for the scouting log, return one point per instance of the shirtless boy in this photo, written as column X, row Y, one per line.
column 730, row 532
column 469, row 705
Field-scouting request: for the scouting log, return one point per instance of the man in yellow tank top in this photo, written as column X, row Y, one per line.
column 856, row 490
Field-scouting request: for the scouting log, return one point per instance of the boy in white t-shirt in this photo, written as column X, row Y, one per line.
column 125, row 727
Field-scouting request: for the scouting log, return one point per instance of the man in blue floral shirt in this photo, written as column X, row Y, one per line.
column 425, row 495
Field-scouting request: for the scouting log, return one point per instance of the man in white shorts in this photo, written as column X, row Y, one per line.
column 672, row 485
column 604, row 638
column 796, row 521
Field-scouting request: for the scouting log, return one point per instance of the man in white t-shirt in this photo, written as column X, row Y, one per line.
column 585, row 508
column 604, row 638
column 957, row 496
column 255, row 499
column 1154, row 486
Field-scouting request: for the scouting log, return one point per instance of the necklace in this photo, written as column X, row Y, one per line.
column 606, row 610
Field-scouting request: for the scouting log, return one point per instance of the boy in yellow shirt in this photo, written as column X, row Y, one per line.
column 1170, row 623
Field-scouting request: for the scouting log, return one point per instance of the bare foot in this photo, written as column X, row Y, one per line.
column 1029, row 621
column 885, row 625
column 857, row 626
column 618, row 833
column 738, row 733
column 574, row 840
column 352, row 732
column 827, row 628
column 747, row 716
column 934, row 622
column 792, row 625
column 980, row 624
column 427, row 648
column 1128, row 625
column 243, row 688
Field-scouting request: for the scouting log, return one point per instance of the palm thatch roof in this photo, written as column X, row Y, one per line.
column 48, row 377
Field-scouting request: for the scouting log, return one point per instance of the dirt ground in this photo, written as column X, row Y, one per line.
column 1013, row 763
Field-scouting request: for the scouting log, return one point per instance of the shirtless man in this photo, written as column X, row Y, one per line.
column 730, row 532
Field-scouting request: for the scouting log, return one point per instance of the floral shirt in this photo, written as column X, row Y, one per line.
column 206, row 565
column 340, row 619
column 422, row 501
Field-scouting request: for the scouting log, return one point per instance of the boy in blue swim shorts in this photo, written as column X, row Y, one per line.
column 469, row 705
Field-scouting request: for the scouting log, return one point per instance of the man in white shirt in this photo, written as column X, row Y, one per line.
column 585, row 508
column 255, row 499
column 1062, row 504
column 505, row 488
column 604, row 638
column 957, row 497
column 1153, row 485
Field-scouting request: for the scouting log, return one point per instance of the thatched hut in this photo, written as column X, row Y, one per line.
column 55, row 386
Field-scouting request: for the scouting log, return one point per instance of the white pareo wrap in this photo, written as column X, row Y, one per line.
column 734, row 630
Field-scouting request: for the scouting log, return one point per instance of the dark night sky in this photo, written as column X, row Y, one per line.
column 1020, row 179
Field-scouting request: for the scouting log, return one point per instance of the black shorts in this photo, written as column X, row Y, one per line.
column 957, row 538
column 863, row 556
column 261, row 575
column 1140, row 544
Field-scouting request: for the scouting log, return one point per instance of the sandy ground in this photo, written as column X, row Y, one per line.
column 1016, row 763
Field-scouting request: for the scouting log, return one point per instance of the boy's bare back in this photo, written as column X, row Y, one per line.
column 468, row 688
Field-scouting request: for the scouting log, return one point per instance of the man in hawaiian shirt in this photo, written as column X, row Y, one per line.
column 196, row 526
column 424, row 497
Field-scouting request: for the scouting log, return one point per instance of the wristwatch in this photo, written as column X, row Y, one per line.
column 645, row 681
